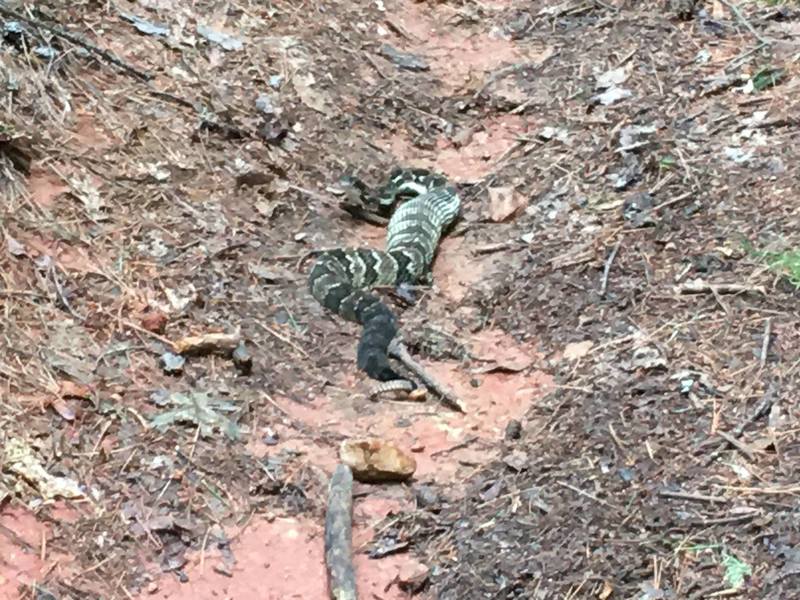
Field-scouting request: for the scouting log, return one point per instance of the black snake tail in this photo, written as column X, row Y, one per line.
column 337, row 281
column 340, row 280
column 380, row 327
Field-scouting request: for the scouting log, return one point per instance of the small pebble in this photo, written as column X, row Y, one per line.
column 513, row 430
column 426, row 496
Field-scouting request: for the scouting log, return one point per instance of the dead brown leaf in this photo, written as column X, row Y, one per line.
column 70, row 389
column 504, row 203
column 154, row 321
column 577, row 350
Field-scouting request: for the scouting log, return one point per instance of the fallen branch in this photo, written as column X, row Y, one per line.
column 765, row 343
column 701, row 287
column 398, row 350
column 743, row 20
column 78, row 41
column 607, row 268
column 748, row 454
column 338, row 535
column 499, row 247
column 692, row 497
column 207, row 343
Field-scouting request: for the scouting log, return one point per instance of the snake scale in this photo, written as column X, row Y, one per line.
column 420, row 205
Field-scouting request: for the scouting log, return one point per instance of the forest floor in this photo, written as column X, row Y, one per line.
column 618, row 311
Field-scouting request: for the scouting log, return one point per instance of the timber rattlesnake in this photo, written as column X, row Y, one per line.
column 341, row 279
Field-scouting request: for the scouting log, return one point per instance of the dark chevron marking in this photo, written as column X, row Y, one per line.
column 341, row 279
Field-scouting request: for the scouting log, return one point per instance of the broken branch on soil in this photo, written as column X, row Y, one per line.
column 225, row 343
column 78, row 41
column 691, row 496
column 743, row 20
column 458, row 446
column 282, row 338
column 339, row 535
column 607, row 268
column 62, row 298
column 398, row 350
column 765, row 343
column 701, row 287
column 737, row 444
column 581, row 492
column 498, row 247
column 672, row 201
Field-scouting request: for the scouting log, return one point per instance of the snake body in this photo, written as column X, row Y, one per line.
column 341, row 280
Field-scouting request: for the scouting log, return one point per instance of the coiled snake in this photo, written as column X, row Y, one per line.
column 341, row 279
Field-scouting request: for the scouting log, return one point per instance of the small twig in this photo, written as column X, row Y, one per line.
column 672, row 201
column 737, row 444
column 607, row 268
column 743, row 20
column 765, row 342
column 399, row 29
column 701, row 287
column 690, row 496
column 207, row 343
column 459, row 446
column 131, row 325
column 763, row 407
column 498, row 247
column 61, row 296
column 727, row 520
column 282, row 338
column 22, row 293
column 78, row 41
column 339, row 535
column 375, row 66
column 327, row 200
column 398, row 350
column 734, row 64
column 615, row 437
column 578, row 490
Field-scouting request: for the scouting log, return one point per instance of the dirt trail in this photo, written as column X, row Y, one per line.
column 441, row 442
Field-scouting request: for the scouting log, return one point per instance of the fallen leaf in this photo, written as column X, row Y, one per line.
column 84, row 189
column 612, row 78
column 14, row 247
column 504, row 202
column 71, row 389
column 64, row 410
column 200, row 409
column 518, row 460
column 172, row 363
column 154, row 321
column 222, row 39
column 412, row 576
column 577, row 350
column 21, row 460
column 612, row 95
column 303, row 80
